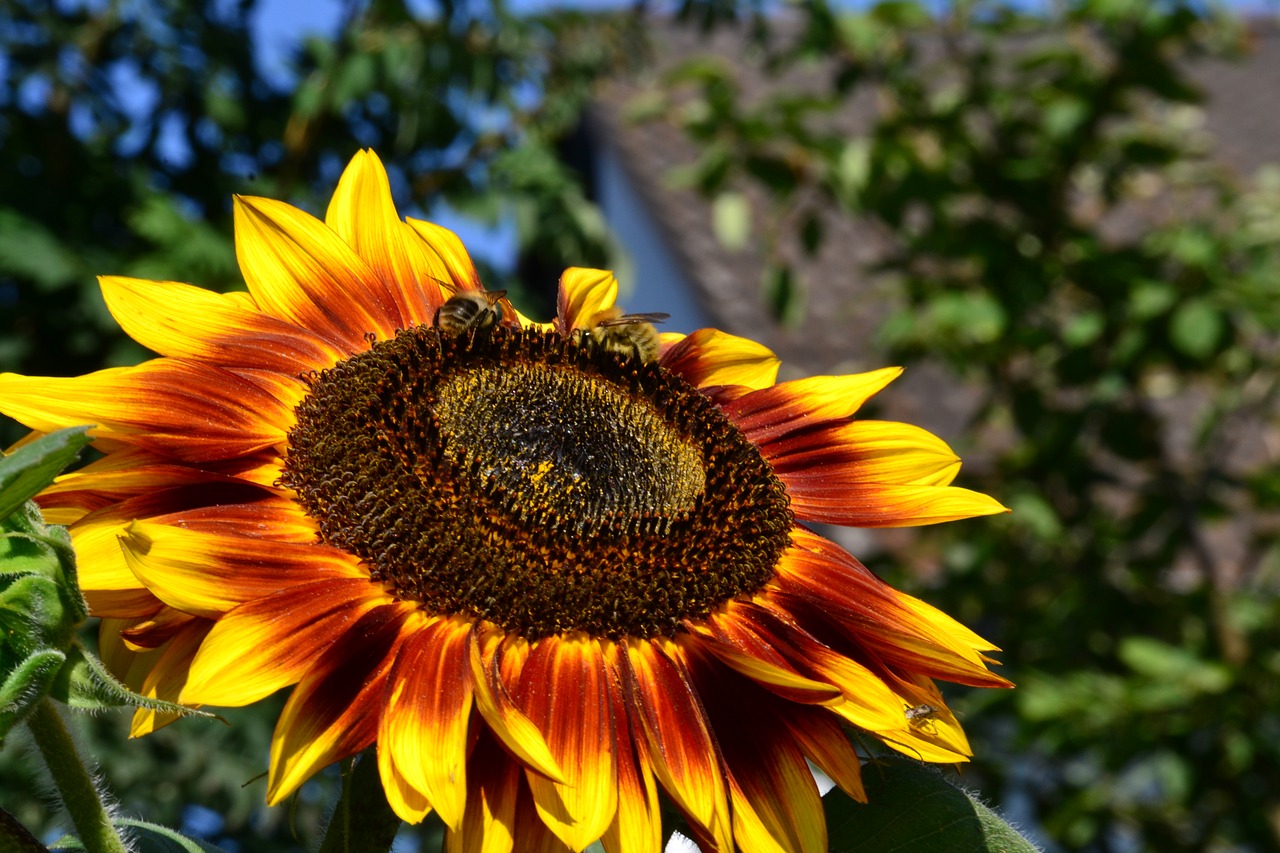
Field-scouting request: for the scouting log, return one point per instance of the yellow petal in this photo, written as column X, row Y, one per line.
column 583, row 293
column 189, row 322
column 564, row 691
column 363, row 213
column 300, row 271
column 424, row 727
column 710, row 357
column 445, row 256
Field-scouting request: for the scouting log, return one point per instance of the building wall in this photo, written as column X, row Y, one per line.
column 651, row 279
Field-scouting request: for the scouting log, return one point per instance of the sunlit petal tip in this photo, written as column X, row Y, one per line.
column 447, row 258
column 709, row 357
column 583, row 293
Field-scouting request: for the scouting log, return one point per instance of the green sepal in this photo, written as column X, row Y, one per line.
column 25, row 472
column 144, row 837
column 84, row 682
column 911, row 808
column 25, row 685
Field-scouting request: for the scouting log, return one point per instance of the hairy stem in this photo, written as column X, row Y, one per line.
column 74, row 782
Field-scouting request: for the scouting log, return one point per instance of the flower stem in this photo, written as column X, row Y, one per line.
column 363, row 821
column 74, row 783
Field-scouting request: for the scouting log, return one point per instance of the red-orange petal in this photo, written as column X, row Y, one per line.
column 333, row 712
column 677, row 738
column 208, row 573
column 424, row 726
column 769, row 413
column 564, row 691
column 363, row 213
column 299, row 270
column 489, row 825
column 270, row 642
column 776, row 806
column 732, row 639
column 183, row 321
column 504, row 718
column 637, row 825
column 823, row 741
column 184, row 410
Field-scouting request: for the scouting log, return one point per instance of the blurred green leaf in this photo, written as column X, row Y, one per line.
column 1197, row 328
column 731, row 220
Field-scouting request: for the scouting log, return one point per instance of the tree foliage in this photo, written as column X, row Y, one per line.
column 1062, row 239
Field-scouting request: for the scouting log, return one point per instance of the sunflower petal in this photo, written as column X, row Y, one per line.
column 270, row 642
column 710, row 357
column 733, row 642
column 300, row 271
column 405, row 800
column 424, row 727
column 166, row 676
column 333, row 712
column 363, row 213
column 779, row 409
column 637, row 824
column 516, row 731
column 179, row 320
column 868, row 701
column 677, row 738
column 564, row 691
column 208, row 574
column 446, row 258
column 858, row 453
column 489, row 824
column 583, row 293
column 824, row 743
column 184, row 410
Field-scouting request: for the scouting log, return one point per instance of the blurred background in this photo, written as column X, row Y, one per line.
column 1063, row 218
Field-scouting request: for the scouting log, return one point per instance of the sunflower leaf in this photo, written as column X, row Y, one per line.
column 26, row 471
column 911, row 808
column 144, row 838
column 85, row 683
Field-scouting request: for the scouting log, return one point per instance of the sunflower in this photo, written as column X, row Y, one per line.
column 548, row 577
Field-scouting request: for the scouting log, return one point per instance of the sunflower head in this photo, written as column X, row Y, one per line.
column 544, row 568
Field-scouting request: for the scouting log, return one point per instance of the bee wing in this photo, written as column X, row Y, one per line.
column 627, row 319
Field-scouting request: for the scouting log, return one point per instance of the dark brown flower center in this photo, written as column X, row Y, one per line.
column 529, row 480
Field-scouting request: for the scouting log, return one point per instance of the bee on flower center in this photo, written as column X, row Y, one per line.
column 470, row 310
column 631, row 336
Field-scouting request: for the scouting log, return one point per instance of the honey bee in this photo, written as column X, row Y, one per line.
column 470, row 310
column 631, row 336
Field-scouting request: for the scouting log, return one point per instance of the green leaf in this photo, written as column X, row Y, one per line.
column 85, row 683
column 26, row 471
column 911, row 808
column 1196, row 328
column 25, row 685
column 145, row 838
